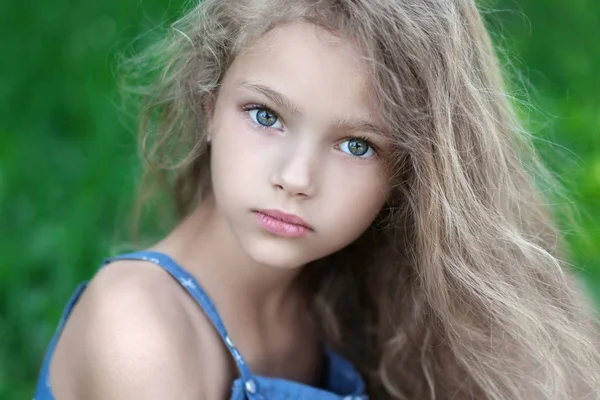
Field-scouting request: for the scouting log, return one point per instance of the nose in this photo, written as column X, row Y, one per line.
column 295, row 173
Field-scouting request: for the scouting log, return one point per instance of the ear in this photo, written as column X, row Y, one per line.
column 210, row 101
column 209, row 104
column 209, row 109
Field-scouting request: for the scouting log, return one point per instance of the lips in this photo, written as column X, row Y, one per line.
column 282, row 224
column 285, row 217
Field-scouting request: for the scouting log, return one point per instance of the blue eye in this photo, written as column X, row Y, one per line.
column 358, row 147
column 264, row 117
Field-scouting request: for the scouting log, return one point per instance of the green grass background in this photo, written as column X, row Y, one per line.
column 68, row 161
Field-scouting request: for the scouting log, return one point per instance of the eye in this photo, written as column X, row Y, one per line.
column 358, row 147
column 264, row 117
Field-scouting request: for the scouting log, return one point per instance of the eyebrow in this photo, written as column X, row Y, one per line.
column 359, row 125
column 280, row 100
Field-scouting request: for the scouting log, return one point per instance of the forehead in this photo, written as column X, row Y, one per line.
column 310, row 65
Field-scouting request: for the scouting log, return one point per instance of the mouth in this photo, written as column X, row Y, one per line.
column 282, row 224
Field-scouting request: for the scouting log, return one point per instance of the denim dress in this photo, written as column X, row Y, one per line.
column 341, row 381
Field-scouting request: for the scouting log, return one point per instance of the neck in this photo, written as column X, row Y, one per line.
column 204, row 244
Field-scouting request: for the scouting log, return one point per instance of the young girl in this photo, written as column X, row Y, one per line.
column 358, row 218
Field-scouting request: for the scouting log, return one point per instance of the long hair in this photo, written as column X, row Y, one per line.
column 460, row 288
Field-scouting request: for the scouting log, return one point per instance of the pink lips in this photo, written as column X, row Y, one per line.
column 282, row 224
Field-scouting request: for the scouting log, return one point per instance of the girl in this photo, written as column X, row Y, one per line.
column 358, row 216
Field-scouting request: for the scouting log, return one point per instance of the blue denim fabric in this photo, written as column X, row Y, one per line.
column 342, row 381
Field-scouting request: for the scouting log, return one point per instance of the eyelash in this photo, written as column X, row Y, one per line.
column 257, row 106
column 364, row 139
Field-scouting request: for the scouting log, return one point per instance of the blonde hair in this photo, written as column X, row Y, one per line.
column 459, row 289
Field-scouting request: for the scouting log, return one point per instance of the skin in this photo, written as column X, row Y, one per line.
column 134, row 323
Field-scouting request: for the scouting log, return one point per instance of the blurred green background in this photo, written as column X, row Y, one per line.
column 68, row 161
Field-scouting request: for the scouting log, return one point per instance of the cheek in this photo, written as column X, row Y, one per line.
column 235, row 154
column 356, row 195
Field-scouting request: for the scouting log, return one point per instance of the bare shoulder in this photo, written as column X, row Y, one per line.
column 130, row 336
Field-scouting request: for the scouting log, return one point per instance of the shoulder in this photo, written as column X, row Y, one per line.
column 129, row 336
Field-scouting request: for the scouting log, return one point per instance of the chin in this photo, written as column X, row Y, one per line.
column 278, row 253
column 278, row 259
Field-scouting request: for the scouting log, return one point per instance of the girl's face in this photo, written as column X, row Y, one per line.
column 293, row 132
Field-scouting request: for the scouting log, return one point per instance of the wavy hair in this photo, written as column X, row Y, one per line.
column 460, row 288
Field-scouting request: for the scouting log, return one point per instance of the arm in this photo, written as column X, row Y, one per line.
column 123, row 341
